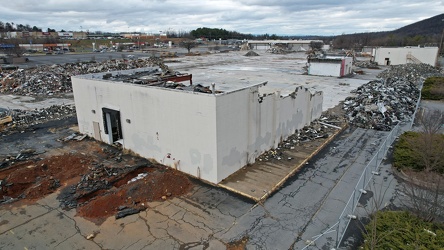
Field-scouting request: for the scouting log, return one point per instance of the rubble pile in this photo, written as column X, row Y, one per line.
column 251, row 53
column 56, row 79
column 381, row 104
column 366, row 64
column 316, row 130
column 276, row 49
column 25, row 118
column 99, row 177
column 410, row 72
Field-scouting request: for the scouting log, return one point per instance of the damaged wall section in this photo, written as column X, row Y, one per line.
column 209, row 136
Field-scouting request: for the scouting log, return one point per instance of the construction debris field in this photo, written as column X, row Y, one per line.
column 96, row 179
column 62, row 191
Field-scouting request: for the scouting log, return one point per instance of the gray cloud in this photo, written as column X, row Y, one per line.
column 286, row 17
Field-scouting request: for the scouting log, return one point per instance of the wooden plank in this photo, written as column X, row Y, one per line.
column 5, row 119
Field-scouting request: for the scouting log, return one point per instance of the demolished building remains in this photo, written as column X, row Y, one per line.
column 330, row 66
column 199, row 130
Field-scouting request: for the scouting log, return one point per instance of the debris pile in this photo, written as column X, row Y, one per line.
column 279, row 49
column 98, row 177
column 321, row 128
column 56, row 79
column 366, row 64
column 415, row 73
column 25, row 118
column 381, row 104
column 251, row 53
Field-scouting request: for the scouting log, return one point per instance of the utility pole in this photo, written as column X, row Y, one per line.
column 440, row 44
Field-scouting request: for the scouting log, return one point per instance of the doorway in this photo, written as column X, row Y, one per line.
column 112, row 125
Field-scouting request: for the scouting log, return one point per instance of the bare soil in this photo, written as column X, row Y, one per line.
column 92, row 177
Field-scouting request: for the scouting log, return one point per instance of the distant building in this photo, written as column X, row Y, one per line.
column 330, row 66
column 404, row 55
column 297, row 45
column 199, row 130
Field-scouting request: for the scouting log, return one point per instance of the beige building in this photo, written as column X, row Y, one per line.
column 404, row 55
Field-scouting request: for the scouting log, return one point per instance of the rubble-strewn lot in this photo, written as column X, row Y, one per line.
column 55, row 79
column 106, row 179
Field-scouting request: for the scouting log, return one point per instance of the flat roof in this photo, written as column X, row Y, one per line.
column 282, row 72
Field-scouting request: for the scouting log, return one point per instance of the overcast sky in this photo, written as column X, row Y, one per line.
column 281, row 17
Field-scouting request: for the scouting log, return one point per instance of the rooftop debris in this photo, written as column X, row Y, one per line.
column 48, row 80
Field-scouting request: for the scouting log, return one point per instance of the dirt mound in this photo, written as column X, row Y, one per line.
column 36, row 178
column 134, row 196
column 251, row 53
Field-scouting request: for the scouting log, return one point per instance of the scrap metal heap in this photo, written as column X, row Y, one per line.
column 382, row 104
column 56, row 79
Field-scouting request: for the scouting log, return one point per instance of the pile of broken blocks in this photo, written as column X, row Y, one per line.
column 56, row 79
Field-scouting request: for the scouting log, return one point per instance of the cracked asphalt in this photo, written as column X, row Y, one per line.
column 209, row 217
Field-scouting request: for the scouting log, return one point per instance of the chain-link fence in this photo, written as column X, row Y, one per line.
column 370, row 170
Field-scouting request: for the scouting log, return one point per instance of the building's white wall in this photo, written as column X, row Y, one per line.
column 324, row 69
column 348, row 66
column 248, row 125
column 398, row 56
column 208, row 136
column 162, row 122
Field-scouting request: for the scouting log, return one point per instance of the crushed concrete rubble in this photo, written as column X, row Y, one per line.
column 323, row 127
column 279, row 49
column 56, row 79
column 415, row 73
column 251, row 53
column 382, row 104
column 26, row 118
column 366, row 64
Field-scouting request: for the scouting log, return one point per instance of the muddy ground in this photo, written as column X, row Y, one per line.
column 96, row 179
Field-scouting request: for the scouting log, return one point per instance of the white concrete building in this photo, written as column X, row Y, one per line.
column 404, row 55
column 207, row 135
column 330, row 66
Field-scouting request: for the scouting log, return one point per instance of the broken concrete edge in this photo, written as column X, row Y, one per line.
column 295, row 170
column 289, row 175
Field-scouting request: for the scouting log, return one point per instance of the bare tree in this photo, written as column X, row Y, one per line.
column 316, row 45
column 188, row 45
column 424, row 195
column 424, row 189
column 429, row 144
